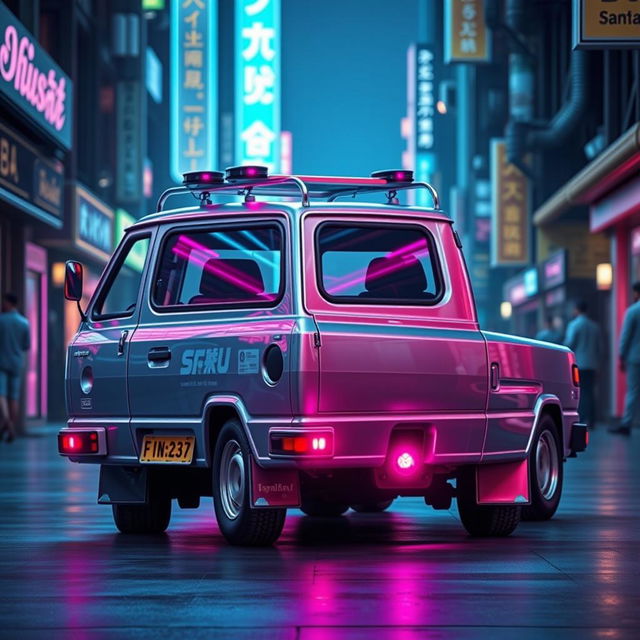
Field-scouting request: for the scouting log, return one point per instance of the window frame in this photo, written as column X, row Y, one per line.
column 104, row 286
column 434, row 255
column 219, row 226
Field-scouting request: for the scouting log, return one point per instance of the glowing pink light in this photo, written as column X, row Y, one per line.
column 405, row 461
column 251, row 172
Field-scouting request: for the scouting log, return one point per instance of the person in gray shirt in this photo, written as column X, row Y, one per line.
column 630, row 363
column 583, row 337
column 15, row 339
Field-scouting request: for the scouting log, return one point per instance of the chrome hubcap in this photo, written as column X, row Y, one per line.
column 232, row 479
column 547, row 464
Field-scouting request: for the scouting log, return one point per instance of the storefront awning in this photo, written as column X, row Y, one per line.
column 613, row 166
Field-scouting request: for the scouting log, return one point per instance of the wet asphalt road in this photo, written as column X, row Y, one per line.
column 406, row 574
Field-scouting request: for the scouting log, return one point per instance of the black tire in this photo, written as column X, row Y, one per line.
column 372, row 507
column 239, row 523
column 322, row 509
column 152, row 517
column 545, row 471
column 483, row 520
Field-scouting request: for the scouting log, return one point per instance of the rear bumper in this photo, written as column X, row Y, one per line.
column 579, row 438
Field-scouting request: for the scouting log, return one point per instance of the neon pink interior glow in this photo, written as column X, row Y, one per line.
column 418, row 249
column 239, row 279
column 251, row 171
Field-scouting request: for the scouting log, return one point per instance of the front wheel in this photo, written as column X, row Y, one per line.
column 484, row 521
column 238, row 522
column 545, row 472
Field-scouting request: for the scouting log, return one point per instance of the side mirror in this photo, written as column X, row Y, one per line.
column 73, row 281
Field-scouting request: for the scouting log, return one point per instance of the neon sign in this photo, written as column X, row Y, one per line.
column 32, row 81
column 194, row 80
column 258, row 83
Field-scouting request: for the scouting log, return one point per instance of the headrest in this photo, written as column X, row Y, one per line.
column 231, row 279
column 396, row 276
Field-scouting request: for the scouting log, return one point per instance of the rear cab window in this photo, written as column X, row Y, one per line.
column 220, row 267
column 377, row 264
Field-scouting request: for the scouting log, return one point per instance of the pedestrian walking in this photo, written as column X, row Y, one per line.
column 551, row 331
column 14, row 341
column 583, row 337
column 630, row 364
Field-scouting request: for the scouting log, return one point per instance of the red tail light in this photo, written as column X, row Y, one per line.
column 313, row 443
column 575, row 375
column 81, row 442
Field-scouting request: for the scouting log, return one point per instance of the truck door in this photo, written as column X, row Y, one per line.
column 397, row 327
column 215, row 313
column 98, row 356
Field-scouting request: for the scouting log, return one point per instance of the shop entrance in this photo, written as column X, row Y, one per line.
column 35, row 388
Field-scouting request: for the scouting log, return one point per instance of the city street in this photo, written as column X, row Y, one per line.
column 409, row 573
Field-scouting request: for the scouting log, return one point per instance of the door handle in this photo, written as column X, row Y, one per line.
column 495, row 376
column 121, row 342
column 159, row 354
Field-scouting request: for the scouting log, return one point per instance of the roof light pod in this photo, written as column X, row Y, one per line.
column 197, row 179
column 246, row 172
column 394, row 175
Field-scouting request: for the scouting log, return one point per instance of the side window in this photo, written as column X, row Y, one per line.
column 217, row 267
column 377, row 264
column 119, row 295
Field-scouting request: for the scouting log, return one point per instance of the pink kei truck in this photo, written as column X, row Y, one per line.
column 312, row 353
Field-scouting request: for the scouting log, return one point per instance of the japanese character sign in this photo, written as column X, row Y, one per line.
column 510, row 238
column 258, row 82
column 467, row 38
column 194, row 86
column 425, row 98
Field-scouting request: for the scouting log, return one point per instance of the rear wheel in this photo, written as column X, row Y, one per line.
column 322, row 509
column 545, row 471
column 483, row 520
column 152, row 517
column 238, row 522
column 372, row 507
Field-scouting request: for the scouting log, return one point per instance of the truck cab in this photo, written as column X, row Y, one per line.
column 308, row 352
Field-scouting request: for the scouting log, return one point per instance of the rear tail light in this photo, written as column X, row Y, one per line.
column 296, row 443
column 82, row 442
column 575, row 375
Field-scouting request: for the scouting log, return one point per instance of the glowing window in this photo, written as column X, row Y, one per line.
column 239, row 267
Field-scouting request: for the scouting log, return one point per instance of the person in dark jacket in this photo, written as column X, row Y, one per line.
column 14, row 341
column 630, row 364
column 583, row 337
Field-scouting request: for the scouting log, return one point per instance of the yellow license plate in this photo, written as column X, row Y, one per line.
column 177, row 449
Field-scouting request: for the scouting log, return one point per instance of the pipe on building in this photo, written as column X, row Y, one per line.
column 523, row 134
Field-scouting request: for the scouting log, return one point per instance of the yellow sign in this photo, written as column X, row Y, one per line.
column 510, row 233
column 467, row 38
column 606, row 23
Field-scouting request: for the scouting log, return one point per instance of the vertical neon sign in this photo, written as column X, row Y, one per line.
column 194, row 81
column 257, row 56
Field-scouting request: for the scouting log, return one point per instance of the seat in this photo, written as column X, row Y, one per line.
column 229, row 280
column 396, row 278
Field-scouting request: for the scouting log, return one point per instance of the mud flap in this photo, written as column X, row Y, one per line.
column 123, row 485
column 503, row 483
column 274, row 487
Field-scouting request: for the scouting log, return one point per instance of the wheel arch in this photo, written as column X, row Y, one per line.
column 217, row 411
column 548, row 405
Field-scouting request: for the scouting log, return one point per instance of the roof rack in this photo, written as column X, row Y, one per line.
column 238, row 180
